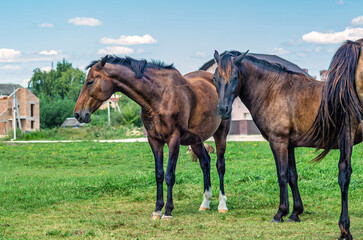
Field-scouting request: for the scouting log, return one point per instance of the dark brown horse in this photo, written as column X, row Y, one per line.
column 175, row 110
column 339, row 115
column 283, row 105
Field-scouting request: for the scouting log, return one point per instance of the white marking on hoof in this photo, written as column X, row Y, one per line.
column 207, row 196
column 156, row 215
column 222, row 207
column 164, row 217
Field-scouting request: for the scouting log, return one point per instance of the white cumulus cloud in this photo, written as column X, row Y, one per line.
column 25, row 82
column 85, row 21
column 357, row 21
column 48, row 53
column 139, row 51
column 129, row 40
column 46, row 69
column 116, row 50
column 8, row 55
column 334, row 37
column 46, row 25
column 10, row 67
column 280, row 51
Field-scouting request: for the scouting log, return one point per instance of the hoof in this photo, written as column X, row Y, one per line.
column 276, row 221
column 156, row 215
column 293, row 220
column 223, row 210
column 204, row 208
column 346, row 236
column 164, row 217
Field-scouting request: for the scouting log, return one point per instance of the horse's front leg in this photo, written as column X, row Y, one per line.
column 293, row 177
column 204, row 161
column 174, row 146
column 220, row 138
column 345, row 171
column 279, row 148
column 157, row 148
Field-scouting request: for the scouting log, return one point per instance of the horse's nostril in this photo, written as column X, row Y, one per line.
column 76, row 115
column 87, row 115
column 226, row 108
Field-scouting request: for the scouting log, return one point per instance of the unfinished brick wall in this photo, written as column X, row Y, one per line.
column 25, row 99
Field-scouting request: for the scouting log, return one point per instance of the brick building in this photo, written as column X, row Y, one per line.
column 323, row 75
column 28, row 108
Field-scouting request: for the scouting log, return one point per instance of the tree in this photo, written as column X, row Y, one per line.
column 58, row 91
column 64, row 81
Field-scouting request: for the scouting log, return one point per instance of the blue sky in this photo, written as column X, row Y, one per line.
column 36, row 33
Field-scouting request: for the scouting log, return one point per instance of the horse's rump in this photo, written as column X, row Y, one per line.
column 340, row 102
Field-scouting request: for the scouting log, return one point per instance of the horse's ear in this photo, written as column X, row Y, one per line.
column 216, row 56
column 102, row 63
column 239, row 59
column 138, row 67
column 104, row 60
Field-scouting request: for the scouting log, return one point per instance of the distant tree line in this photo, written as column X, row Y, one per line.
column 58, row 91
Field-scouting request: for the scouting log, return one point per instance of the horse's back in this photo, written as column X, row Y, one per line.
column 200, row 75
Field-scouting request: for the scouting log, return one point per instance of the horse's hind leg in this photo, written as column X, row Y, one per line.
column 204, row 161
column 220, row 138
column 279, row 149
column 345, row 170
column 293, row 177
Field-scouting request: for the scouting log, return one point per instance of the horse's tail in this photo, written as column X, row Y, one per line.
column 340, row 102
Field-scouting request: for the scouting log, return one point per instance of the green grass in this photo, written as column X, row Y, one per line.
column 89, row 190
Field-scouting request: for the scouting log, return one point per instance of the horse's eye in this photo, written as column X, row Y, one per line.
column 89, row 83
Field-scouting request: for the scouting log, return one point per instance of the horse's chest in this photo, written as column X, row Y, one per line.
column 156, row 126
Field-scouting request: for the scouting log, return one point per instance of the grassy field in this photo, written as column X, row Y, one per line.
column 89, row 190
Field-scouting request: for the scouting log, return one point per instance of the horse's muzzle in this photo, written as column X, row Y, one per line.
column 83, row 117
column 224, row 112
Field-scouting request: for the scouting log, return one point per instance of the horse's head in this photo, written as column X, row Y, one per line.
column 226, row 79
column 97, row 88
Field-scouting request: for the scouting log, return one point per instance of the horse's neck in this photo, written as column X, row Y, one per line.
column 146, row 91
column 258, row 85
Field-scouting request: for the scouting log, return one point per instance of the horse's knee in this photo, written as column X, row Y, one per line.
column 170, row 180
column 283, row 180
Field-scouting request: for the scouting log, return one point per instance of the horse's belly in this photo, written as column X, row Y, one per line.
column 205, row 127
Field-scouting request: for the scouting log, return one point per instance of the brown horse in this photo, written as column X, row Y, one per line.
column 175, row 110
column 283, row 105
column 339, row 115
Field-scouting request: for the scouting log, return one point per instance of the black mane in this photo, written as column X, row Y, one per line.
column 137, row 66
column 277, row 67
column 273, row 66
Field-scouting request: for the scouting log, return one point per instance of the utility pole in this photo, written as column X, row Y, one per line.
column 109, row 112
column 14, row 117
column 17, row 111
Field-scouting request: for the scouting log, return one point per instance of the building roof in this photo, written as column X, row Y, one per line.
column 8, row 89
column 267, row 57
column 72, row 122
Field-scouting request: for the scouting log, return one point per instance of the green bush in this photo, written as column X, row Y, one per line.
column 19, row 134
column 53, row 112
